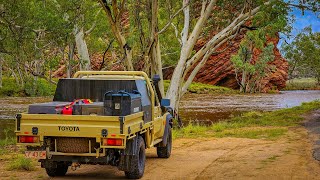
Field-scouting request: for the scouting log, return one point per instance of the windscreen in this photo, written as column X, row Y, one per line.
column 70, row 89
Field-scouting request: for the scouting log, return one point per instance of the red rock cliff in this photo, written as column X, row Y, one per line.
column 219, row 70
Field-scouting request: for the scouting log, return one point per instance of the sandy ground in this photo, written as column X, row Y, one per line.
column 290, row 157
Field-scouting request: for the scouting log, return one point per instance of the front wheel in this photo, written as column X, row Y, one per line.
column 138, row 161
column 165, row 152
column 60, row 170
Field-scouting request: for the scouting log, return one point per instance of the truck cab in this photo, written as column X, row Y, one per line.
column 98, row 117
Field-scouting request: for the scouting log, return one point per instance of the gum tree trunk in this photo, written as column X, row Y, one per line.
column 114, row 12
column 188, row 43
column 188, row 64
column 70, row 59
column 82, row 48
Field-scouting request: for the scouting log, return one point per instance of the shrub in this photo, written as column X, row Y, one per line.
column 10, row 87
column 302, row 84
column 201, row 88
column 21, row 163
column 40, row 87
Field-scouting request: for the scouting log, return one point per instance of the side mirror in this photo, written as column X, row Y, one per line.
column 165, row 102
column 156, row 78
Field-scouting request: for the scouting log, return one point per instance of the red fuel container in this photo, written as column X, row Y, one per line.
column 67, row 110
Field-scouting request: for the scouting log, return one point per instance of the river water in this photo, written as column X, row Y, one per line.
column 207, row 108
column 199, row 108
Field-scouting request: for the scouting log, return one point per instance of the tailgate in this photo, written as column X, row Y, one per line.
column 74, row 125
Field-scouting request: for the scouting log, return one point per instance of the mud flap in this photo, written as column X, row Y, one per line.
column 128, row 154
column 166, row 131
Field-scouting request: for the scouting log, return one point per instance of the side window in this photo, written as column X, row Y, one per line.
column 145, row 93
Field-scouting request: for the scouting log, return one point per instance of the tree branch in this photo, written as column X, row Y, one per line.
column 171, row 19
column 203, row 8
column 186, row 24
column 122, row 8
column 104, row 54
column 229, row 30
column 302, row 7
column 94, row 24
column 202, row 63
column 176, row 31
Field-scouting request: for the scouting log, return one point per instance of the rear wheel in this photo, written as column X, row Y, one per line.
column 60, row 170
column 165, row 152
column 138, row 161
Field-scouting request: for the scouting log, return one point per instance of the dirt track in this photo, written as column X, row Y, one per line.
column 290, row 157
column 225, row 158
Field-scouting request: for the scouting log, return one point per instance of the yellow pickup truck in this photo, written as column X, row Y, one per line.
column 98, row 117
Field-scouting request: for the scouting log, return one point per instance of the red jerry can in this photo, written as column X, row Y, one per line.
column 67, row 110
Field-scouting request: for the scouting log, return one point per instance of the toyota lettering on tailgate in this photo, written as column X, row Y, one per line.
column 68, row 128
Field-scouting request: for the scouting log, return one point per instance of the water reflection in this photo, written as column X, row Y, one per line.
column 10, row 106
column 206, row 107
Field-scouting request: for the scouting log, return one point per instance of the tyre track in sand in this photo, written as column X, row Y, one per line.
column 225, row 158
column 289, row 157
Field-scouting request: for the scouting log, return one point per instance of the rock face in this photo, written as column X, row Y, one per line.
column 219, row 69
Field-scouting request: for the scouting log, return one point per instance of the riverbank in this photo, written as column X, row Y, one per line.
column 254, row 124
column 254, row 145
column 302, row 84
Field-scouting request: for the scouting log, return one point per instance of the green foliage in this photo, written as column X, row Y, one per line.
column 36, row 36
column 201, row 88
column 267, row 125
column 7, row 140
column 39, row 87
column 302, row 84
column 274, row 18
column 303, row 54
column 252, row 72
column 10, row 87
column 32, row 87
column 21, row 163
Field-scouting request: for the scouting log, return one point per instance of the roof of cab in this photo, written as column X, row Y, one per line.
column 112, row 77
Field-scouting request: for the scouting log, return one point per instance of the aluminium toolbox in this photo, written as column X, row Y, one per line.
column 95, row 108
column 54, row 107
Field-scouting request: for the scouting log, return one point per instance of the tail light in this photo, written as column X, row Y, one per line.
column 28, row 139
column 112, row 142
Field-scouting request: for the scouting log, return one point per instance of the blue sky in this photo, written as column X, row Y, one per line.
column 302, row 21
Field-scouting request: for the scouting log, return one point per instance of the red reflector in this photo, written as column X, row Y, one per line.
column 112, row 142
column 28, row 139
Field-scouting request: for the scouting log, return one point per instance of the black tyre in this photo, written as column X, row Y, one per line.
column 138, row 161
column 60, row 170
column 165, row 152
